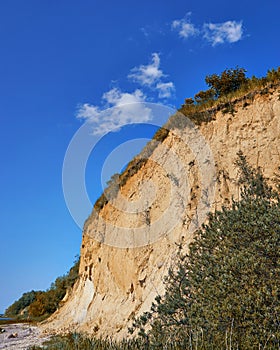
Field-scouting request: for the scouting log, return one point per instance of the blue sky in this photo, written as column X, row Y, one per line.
column 61, row 63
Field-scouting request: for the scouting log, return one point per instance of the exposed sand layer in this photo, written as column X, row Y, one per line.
column 21, row 336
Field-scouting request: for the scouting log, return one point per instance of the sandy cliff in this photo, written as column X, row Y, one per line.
column 128, row 246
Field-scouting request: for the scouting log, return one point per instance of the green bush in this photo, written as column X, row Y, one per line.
column 18, row 306
column 225, row 293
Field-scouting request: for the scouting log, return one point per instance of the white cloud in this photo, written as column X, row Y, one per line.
column 215, row 33
column 122, row 108
column 185, row 28
column 165, row 90
column 152, row 76
column 147, row 75
column 219, row 33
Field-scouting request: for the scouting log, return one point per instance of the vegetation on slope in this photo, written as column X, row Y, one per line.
column 226, row 89
column 75, row 341
column 41, row 304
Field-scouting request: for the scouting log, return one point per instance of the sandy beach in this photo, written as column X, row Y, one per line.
column 21, row 336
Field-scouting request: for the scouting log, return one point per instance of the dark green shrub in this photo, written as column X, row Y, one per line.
column 225, row 293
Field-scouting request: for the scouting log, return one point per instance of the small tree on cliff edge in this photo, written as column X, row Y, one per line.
column 225, row 294
column 228, row 81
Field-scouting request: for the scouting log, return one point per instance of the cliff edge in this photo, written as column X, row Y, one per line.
column 130, row 241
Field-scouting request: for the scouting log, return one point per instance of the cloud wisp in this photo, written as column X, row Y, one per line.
column 219, row 33
column 149, row 74
column 165, row 90
column 152, row 76
column 214, row 33
column 185, row 28
column 120, row 108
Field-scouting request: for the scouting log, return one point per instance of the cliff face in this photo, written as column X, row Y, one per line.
column 129, row 245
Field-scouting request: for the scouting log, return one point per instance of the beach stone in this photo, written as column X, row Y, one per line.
column 13, row 335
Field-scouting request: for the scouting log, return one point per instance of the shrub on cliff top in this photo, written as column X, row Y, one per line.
column 225, row 90
column 228, row 81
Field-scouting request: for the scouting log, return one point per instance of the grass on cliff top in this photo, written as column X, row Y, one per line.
column 205, row 104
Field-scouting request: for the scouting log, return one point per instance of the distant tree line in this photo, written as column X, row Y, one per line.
column 41, row 304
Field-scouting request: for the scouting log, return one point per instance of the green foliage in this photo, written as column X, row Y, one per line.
column 41, row 304
column 46, row 303
column 225, row 90
column 273, row 75
column 204, row 96
column 228, row 81
column 225, row 293
column 18, row 306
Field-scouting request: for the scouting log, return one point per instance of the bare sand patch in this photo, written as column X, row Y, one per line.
column 21, row 336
